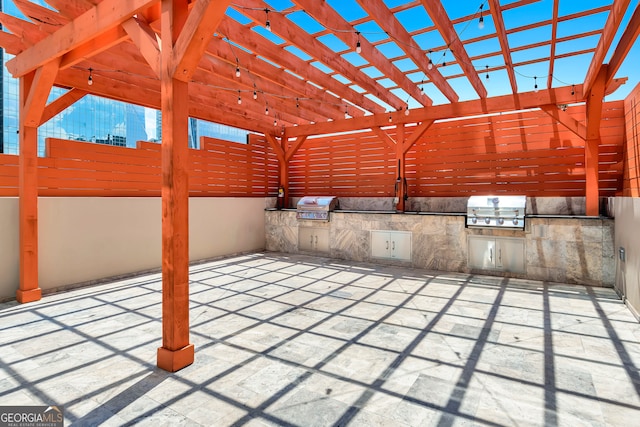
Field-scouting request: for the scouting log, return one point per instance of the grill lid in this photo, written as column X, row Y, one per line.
column 496, row 211
column 316, row 207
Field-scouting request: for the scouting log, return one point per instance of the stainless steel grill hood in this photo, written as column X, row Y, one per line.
column 316, row 207
column 496, row 211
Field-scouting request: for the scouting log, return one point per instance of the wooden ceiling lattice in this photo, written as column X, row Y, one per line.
column 353, row 61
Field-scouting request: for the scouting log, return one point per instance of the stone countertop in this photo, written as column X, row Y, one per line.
column 352, row 211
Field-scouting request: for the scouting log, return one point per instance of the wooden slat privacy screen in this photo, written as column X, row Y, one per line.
column 524, row 153
column 632, row 127
column 219, row 168
column 519, row 153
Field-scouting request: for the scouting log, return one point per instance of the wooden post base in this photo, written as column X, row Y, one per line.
column 28, row 295
column 174, row 360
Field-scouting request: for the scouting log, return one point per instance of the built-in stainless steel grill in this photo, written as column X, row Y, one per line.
column 496, row 211
column 316, row 207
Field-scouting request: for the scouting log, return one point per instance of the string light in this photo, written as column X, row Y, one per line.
column 481, row 20
column 267, row 24
column 573, row 90
column 255, row 92
column 358, row 46
column 275, row 122
column 406, row 112
column 535, row 84
column 266, row 111
column 487, row 76
column 239, row 98
column 430, row 65
column 90, row 79
column 390, row 118
column 237, row 67
column 346, row 112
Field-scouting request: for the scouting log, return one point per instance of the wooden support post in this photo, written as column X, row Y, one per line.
column 176, row 351
column 29, row 289
column 401, row 182
column 283, row 185
column 595, row 98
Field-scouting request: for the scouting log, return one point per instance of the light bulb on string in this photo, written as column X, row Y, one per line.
column 267, row 23
column 390, row 118
column 573, row 90
column 406, row 111
column 90, row 79
column 346, row 112
column 255, row 92
column 275, row 122
column 239, row 98
column 535, row 84
column 237, row 67
column 358, row 45
column 481, row 20
column 487, row 76
column 266, row 111
column 430, row 65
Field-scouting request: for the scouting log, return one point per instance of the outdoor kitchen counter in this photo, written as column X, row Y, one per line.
column 571, row 249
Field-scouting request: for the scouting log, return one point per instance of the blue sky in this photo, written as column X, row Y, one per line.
column 566, row 71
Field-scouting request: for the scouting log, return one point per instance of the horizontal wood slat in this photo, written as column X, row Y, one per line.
column 219, row 168
column 520, row 153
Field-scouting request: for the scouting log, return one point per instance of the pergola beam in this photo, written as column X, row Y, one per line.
column 498, row 22
column 203, row 20
column 444, row 25
column 385, row 19
column 627, row 40
column 283, row 28
column 277, row 54
column 618, row 10
column 446, row 111
column 325, row 14
column 94, row 22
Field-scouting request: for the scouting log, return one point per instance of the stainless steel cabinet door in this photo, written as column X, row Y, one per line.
column 482, row 252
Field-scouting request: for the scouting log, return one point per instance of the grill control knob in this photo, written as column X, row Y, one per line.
column 515, row 221
column 500, row 221
column 487, row 220
column 474, row 220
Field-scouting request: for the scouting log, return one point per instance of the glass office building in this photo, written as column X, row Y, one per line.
column 92, row 118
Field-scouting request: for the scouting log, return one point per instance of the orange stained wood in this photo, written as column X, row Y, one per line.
column 323, row 12
column 604, row 43
column 498, row 22
column 385, row 19
column 61, row 103
column 145, row 39
column 554, row 42
column 445, row 27
column 445, row 111
column 279, row 55
column 629, row 36
column 32, row 100
column 298, row 37
column 595, row 99
column 563, row 117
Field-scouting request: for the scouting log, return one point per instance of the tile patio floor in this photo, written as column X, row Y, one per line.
column 310, row 341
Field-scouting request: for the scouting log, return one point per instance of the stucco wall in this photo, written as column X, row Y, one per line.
column 85, row 239
column 8, row 246
column 627, row 236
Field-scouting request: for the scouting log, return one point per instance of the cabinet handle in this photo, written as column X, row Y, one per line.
column 393, row 245
column 387, row 246
column 311, row 240
column 491, row 254
column 316, row 241
column 500, row 255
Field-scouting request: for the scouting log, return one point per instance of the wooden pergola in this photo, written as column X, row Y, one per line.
column 251, row 66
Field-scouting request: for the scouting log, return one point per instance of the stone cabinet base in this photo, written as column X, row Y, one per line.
column 556, row 249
